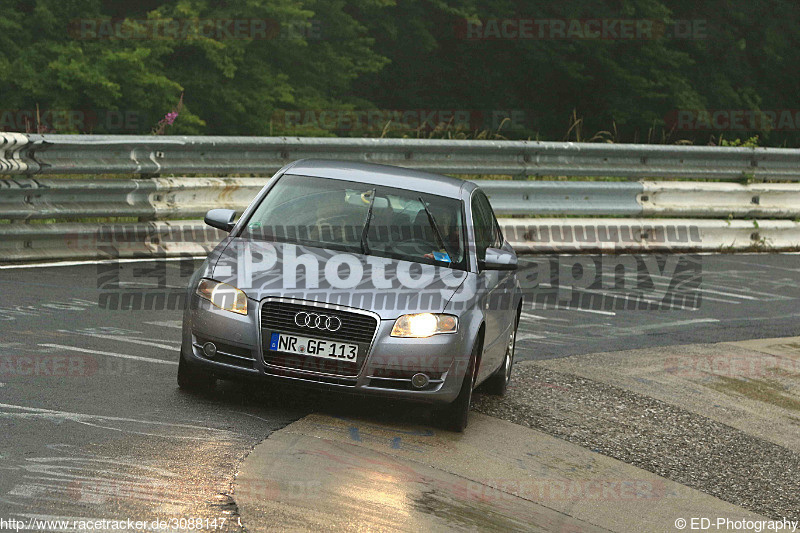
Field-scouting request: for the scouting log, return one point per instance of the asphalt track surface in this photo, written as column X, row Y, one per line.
column 736, row 297
column 92, row 424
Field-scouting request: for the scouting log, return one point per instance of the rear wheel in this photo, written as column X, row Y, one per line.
column 498, row 382
column 193, row 378
column 454, row 416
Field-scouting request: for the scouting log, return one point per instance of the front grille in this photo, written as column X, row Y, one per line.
column 356, row 327
column 278, row 317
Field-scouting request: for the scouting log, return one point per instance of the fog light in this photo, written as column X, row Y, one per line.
column 209, row 349
column 419, row 381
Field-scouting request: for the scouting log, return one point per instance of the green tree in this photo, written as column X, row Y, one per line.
column 231, row 83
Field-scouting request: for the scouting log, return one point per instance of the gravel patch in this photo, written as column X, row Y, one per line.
column 655, row 436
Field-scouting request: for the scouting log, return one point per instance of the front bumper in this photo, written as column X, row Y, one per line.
column 386, row 371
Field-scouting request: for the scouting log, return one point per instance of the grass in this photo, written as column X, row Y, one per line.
column 778, row 371
column 762, row 390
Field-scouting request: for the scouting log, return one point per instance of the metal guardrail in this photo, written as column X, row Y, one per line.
column 37, row 242
column 145, row 199
column 644, row 198
column 34, row 154
column 165, row 209
column 183, row 198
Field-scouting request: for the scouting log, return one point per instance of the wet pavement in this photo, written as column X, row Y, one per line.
column 350, row 474
column 92, row 424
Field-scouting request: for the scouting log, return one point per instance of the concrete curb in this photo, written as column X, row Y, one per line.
column 346, row 475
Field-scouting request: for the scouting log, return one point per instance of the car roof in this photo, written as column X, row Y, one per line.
column 385, row 175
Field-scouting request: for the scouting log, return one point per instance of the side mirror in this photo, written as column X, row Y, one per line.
column 221, row 219
column 497, row 259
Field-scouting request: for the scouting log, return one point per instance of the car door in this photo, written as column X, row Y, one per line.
column 486, row 236
column 507, row 285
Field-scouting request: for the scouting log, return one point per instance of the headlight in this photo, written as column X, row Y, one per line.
column 424, row 325
column 223, row 295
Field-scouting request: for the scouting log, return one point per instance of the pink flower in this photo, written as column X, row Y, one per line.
column 169, row 118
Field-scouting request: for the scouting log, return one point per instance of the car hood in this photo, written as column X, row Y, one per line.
column 389, row 287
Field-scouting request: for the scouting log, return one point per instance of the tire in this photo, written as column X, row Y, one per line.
column 192, row 378
column 497, row 383
column 454, row 416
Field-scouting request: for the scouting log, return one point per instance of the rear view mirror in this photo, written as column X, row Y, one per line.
column 221, row 219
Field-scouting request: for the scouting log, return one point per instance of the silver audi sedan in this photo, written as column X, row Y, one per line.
column 370, row 279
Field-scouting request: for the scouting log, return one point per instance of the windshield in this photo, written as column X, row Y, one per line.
column 361, row 218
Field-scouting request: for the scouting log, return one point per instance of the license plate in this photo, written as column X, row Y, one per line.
column 294, row 344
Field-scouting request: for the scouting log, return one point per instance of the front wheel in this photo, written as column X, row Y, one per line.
column 193, row 378
column 454, row 416
column 497, row 383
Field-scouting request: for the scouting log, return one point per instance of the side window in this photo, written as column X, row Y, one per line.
column 482, row 223
column 497, row 234
column 487, row 230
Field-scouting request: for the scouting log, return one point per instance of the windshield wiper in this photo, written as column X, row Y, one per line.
column 364, row 245
column 432, row 222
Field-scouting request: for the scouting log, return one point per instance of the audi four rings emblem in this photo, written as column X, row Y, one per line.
column 315, row 321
